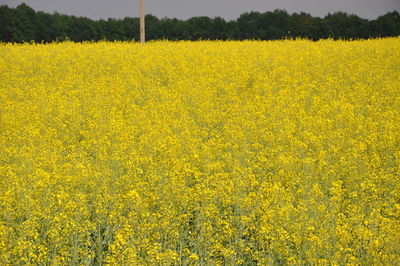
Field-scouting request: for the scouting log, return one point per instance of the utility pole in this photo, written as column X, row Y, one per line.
column 142, row 38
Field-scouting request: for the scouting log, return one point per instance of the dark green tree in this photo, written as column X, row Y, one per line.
column 347, row 26
column 24, row 19
column 387, row 25
column 7, row 24
column 305, row 26
column 23, row 24
column 45, row 27
column 219, row 29
column 153, row 31
column 130, row 27
column 199, row 28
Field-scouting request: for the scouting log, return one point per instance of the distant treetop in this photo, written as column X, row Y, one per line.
column 23, row 24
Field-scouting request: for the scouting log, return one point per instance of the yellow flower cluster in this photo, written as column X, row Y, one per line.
column 200, row 153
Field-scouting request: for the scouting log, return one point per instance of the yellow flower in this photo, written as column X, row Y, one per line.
column 225, row 153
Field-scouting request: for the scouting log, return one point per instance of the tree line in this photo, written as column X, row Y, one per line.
column 22, row 24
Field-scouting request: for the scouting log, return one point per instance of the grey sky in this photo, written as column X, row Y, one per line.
column 228, row 9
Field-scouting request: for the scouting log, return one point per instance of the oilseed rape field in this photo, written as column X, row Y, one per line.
column 200, row 153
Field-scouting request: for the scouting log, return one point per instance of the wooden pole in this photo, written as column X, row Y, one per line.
column 142, row 36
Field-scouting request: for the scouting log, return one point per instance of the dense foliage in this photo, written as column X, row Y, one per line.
column 200, row 153
column 24, row 24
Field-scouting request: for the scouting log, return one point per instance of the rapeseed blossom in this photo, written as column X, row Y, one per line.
column 200, row 153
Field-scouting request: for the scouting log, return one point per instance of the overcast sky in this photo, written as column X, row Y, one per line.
column 228, row 9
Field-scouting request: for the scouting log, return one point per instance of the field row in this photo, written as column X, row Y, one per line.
column 208, row 153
